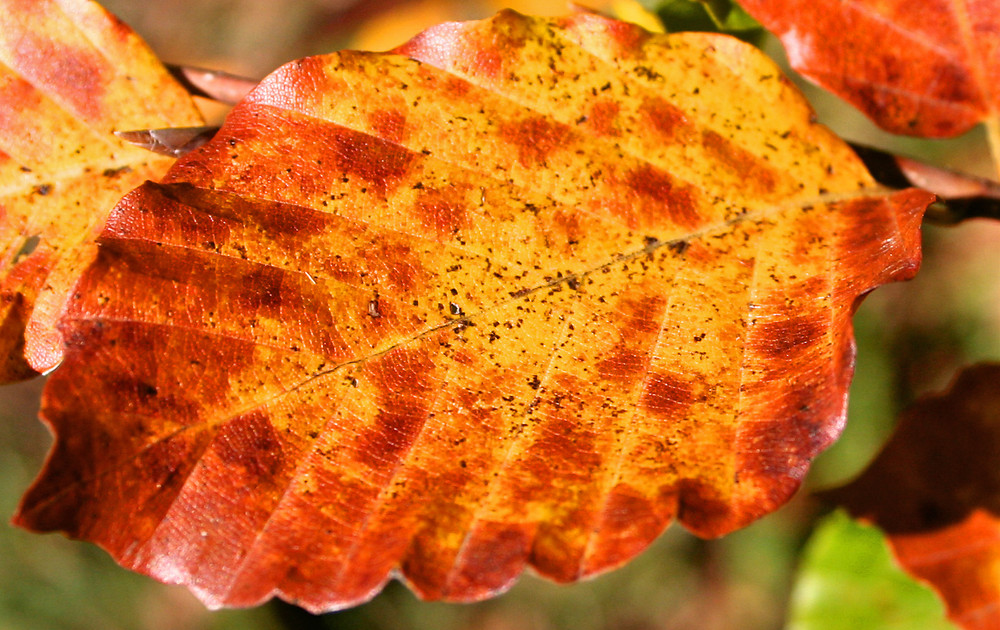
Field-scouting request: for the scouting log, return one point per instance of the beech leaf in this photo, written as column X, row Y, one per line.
column 70, row 75
column 935, row 491
column 518, row 294
column 929, row 69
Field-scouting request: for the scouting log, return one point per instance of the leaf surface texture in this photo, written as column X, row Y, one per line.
column 520, row 293
column 70, row 75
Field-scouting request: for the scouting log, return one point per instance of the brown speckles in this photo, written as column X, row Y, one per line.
column 116, row 172
column 405, row 401
column 666, row 395
column 535, row 138
column 565, row 228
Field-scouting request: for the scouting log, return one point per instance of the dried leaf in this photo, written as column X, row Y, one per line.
column 930, row 68
column 70, row 74
column 935, row 490
column 522, row 302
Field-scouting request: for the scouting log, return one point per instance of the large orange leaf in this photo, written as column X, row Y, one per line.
column 935, row 490
column 70, row 75
column 522, row 302
column 929, row 68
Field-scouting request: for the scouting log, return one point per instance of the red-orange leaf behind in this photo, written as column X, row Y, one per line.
column 70, row 75
column 522, row 303
column 929, row 68
column 935, row 490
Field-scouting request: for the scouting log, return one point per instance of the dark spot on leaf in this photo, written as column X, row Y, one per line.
column 443, row 214
column 261, row 290
column 602, row 118
column 788, row 337
column 379, row 162
column 753, row 172
column 667, row 120
column 666, row 395
column 669, row 201
column 701, row 508
column 622, row 364
column 389, row 125
column 403, row 388
column 250, row 445
column 535, row 138
column 76, row 75
column 115, row 172
column 492, row 558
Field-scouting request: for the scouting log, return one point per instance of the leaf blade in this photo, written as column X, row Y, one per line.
column 457, row 353
column 69, row 72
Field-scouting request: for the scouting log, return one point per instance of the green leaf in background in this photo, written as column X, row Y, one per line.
column 848, row 580
column 719, row 16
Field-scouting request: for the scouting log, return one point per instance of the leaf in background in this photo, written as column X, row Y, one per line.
column 721, row 16
column 70, row 74
column 935, row 491
column 848, row 579
column 930, row 68
column 523, row 302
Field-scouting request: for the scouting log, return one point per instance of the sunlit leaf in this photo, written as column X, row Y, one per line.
column 70, row 74
column 522, row 302
column 928, row 68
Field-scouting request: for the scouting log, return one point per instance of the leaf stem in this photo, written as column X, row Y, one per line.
column 993, row 137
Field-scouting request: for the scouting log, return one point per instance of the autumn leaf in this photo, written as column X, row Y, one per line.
column 935, row 490
column 520, row 294
column 70, row 74
column 930, row 68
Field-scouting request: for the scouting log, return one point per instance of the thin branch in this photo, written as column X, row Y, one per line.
column 213, row 84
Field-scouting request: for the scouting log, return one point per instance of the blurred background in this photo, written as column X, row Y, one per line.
column 911, row 340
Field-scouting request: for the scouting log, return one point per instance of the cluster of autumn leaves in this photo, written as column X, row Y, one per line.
column 519, row 293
